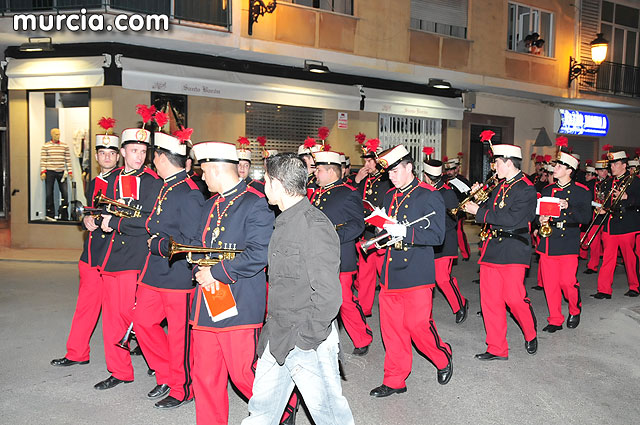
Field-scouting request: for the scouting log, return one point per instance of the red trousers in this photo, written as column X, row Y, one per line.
column 369, row 268
column 447, row 284
column 218, row 356
column 405, row 317
column 463, row 244
column 583, row 253
column 502, row 286
column 169, row 354
column 559, row 272
column 595, row 249
column 351, row 313
column 86, row 314
column 611, row 244
column 118, row 302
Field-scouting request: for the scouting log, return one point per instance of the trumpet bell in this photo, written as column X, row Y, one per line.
column 546, row 230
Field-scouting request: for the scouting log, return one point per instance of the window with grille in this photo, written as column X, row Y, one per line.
column 340, row 6
column 412, row 132
column 530, row 30
column 285, row 128
column 448, row 17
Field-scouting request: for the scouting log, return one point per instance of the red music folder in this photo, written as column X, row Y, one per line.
column 220, row 305
column 129, row 187
column 548, row 205
column 379, row 218
column 100, row 187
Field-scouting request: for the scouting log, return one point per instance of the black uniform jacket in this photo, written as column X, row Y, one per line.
column 459, row 194
column 246, row 224
column 626, row 217
column 372, row 189
column 412, row 264
column 128, row 249
column 341, row 203
column 97, row 242
column 256, row 184
column 450, row 246
column 176, row 213
column 565, row 237
column 509, row 211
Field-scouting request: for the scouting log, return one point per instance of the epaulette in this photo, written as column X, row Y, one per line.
column 526, row 180
column 255, row 191
column 150, row 172
column 192, row 185
column 427, row 186
column 582, row 186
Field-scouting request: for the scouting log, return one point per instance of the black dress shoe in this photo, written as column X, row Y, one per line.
column 532, row 346
column 361, row 351
column 590, row 271
column 573, row 321
column 488, row 356
column 151, row 372
column 66, row 362
column 476, row 281
column 170, row 403
column 136, row 351
column 109, row 383
column 552, row 328
column 631, row 293
column 537, row 288
column 384, row 391
column 445, row 374
column 601, row 296
column 461, row 315
column 158, row 391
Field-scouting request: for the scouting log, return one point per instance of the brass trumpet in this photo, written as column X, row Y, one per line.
column 124, row 210
column 124, row 342
column 90, row 211
column 545, row 230
column 228, row 252
column 366, row 245
column 479, row 195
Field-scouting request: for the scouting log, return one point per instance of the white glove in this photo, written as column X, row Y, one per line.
column 396, row 230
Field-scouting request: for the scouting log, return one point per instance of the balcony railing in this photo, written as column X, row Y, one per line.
column 613, row 78
column 216, row 12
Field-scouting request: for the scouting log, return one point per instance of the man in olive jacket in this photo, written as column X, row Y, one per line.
column 299, row 341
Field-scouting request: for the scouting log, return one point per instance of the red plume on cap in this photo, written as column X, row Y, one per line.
column 460, row 154
column 242, row 141
column 146, row 112
column 262, row 141
column 638, row 151
column 360, row 138
column 603, row 156
column 309, row 142
column 607, row 147
column 533, row 156
column 323, row 133
column 570, row 149
column 539, row 158
column 486, row 135
column 428, row 150
column 589, row 162
column 184, row 134
column 107, row 123
column 547, row 158
column 372, row 145
column 445, row 158
column 326, row 148
column 562, row 141
column 161, row 118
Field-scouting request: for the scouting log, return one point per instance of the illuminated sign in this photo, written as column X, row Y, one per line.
column 583, row 123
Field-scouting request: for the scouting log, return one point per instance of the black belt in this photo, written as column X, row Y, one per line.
column 513, row 234
column 563, row 226
column 403, row 245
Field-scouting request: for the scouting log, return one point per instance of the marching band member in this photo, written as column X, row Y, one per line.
column 165, row 286
column 372, row 184
column 346, row 169
column 506, row 254
column 244, row 165
column 448, row 251
column 599, row 194
column 452, row 168
column 620, row 228
column 559, row 251
column 90, row 288
column 408, row 276
column 306, row 152
column 224, row 343
column 342, row 205
column 126, row 253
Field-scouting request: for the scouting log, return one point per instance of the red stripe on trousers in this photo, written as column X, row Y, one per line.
column 86, row 314
column 463, row 244
column 118, row 301
column 166, row 353
column 351, row 314
column 218, row 356
column 559, row 273
column 611, row 244
column 447, row 284
column 502, row 286
column 369, row 268
column 405, row 317
column 595, row 249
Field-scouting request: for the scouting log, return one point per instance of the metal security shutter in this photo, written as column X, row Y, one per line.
column 414, row 133
column 589, row 27
column 285, row 127
column 448, row 12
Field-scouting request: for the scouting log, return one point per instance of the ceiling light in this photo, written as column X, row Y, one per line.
column 37, row 44
column 316, row 67
column 437, row 83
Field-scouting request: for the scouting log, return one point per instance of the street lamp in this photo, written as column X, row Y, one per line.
column 599, row 48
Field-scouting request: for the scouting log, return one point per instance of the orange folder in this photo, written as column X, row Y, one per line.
column 220, row 305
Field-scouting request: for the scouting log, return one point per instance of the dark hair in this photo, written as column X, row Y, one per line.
column 517, row 162
column 175, row 160
column 289, row 170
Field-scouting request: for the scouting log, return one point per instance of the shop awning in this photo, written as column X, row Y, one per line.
column 415, row 105
column 55, row 73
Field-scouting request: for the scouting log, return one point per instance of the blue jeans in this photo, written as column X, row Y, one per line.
column 316, row 374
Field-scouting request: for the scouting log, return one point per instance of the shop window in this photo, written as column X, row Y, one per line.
column 59, row 154
column 530, row 30
column 340, row 6
column 447, row 17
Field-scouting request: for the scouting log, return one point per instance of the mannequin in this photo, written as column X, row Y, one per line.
column 55, row 166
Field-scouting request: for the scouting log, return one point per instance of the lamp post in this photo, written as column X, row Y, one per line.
column 599, row 47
